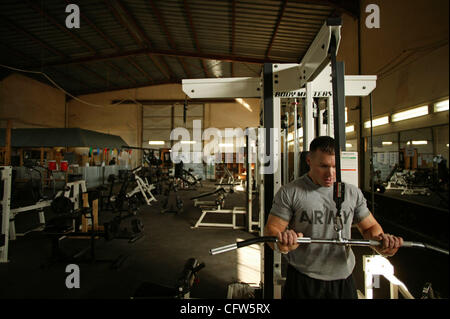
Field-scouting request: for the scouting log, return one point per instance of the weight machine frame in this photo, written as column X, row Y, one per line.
column 143, row 187
column 8, row 229
column 311, row 75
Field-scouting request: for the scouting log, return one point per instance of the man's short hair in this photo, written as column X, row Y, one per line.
column 323, row 143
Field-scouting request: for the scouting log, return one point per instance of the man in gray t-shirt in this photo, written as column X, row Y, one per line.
column 305, row 207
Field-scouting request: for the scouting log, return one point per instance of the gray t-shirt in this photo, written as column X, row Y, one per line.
column 310, row 209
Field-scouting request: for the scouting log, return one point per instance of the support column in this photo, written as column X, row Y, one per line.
column 268, row 117
column 308, row 118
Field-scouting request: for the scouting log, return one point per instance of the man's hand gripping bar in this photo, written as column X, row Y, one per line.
column 306, row 240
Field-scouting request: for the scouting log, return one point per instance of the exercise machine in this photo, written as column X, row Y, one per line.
column 39, row 200
column 189, row 180
column 228, row 180
column 317, row 75
column 373, row 265
column 6, row 177
column 125, row 224
column 142, row 188
column 219, row 201
column 172, row 202
column 225, row 187
column 71, row 193
column 69, row 222
column 405, row 181
column 183, row 286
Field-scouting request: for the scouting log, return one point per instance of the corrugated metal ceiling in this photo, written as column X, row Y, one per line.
column 135, row 43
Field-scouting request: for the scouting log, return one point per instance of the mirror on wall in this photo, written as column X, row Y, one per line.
column 411, row 164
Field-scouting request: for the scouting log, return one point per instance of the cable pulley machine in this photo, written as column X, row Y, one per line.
column 312, row 75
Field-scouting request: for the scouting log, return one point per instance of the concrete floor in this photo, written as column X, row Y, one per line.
column 159, row 257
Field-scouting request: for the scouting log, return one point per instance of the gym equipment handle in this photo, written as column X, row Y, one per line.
column 307, row 240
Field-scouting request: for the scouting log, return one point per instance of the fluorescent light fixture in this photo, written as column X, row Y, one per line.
column 226, row 145
column 188, row 142
column 349, row 129
column 348, row 145
column 418, row 143
column 441, row 106
column 386, row 143
column 409, row 114
column 377, row 122
column 156, row 142
column 244, row 104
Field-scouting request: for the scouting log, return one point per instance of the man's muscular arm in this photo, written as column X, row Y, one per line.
column 287, row 239
column 371, row 229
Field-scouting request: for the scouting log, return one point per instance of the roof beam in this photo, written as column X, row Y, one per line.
column 43, row 45
column 277, row 25
column 31, row 37
column 114, row 46
column 194, row 34
column 172, row 44
column 219, row 57
column 27, row 57
column 98, row 76
column 54, row 22
column 171, row 102
column 141, row 38
column 140, row 69
column 122, row 73
column 65, row 30
column 124, row 23
column 153, row 83
column 74, row 37
column 100, row 32
column 350, row 7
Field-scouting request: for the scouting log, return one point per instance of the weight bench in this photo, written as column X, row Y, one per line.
column 216, row 207
column 235, row 211
column 216, row 203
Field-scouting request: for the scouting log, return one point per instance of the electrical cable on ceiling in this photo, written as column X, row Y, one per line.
column 65, row 92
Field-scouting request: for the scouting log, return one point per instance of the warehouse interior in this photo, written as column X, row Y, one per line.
column 107, row 108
